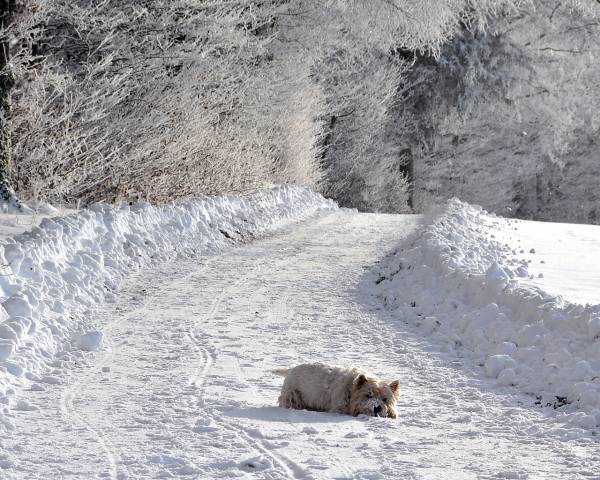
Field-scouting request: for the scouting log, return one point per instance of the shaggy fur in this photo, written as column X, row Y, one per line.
column 351, row 391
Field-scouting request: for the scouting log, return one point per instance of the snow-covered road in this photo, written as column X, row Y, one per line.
column 182, row 387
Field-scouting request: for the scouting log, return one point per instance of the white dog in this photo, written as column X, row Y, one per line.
column 351, row 391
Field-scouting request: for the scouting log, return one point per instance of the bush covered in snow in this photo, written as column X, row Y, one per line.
column 152, row 100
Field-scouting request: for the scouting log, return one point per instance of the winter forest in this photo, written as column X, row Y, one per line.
column 383, row 105
column 299, row 239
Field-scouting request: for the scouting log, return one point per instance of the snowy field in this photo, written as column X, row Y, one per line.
column 138, row 343
column 563, row 258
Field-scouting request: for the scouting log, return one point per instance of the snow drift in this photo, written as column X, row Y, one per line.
column 456, row 282
column 54, row 275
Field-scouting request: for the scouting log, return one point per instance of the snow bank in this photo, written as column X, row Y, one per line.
column 455, row 281
column 16, row 221
column 52, row 276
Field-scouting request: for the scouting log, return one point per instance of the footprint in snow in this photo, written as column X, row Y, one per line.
column 256, row 464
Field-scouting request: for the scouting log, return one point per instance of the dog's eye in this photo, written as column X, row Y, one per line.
column 369, row 395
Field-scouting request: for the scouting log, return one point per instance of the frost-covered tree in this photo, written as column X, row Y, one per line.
column 386, row 105
column 510, row 116
column 159, row 98
column 7, row 10
column 362, row 56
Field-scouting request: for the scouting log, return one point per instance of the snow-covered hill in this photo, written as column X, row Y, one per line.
column 518, row 300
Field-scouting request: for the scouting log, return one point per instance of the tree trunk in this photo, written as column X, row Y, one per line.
column 7, row 9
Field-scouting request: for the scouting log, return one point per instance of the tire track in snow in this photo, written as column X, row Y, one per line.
column 198, row 377
column 117, row 470
column 198, row 380
column 69, row 410
column 292, row 469
column 67, row 401
column 280, row 310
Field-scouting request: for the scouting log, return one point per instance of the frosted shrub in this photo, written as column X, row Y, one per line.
column 156, row 100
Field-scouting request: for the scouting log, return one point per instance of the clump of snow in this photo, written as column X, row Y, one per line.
column 6, row 347
column 496, row 364
column 53, row 275
column 25, row 406
column 6, row 461
column 90, row 341
column 594, row 328
column 457, row 271
column 16, row 219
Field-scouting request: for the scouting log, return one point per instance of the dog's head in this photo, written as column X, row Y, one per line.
column 374, row 397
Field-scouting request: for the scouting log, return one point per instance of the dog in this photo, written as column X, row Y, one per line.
column 350, row 391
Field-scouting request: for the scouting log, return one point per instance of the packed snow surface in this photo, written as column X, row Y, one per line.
column 53, row 276
column 182, row 386
column 471, row 281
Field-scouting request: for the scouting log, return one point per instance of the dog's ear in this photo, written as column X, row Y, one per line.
column 360, row 380
column 395, row 388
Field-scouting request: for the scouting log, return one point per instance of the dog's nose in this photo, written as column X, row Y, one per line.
column 377, row 410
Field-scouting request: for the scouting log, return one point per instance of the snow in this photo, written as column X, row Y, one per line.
column 496, row 364
column 15, row 221
column 139, row 343
column 6, row 345
column 191, row 343
column 55, row 274
column 563, row 258
column 468, row 271
column 90, row 341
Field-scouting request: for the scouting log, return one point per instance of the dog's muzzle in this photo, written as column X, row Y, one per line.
column 378, row 409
